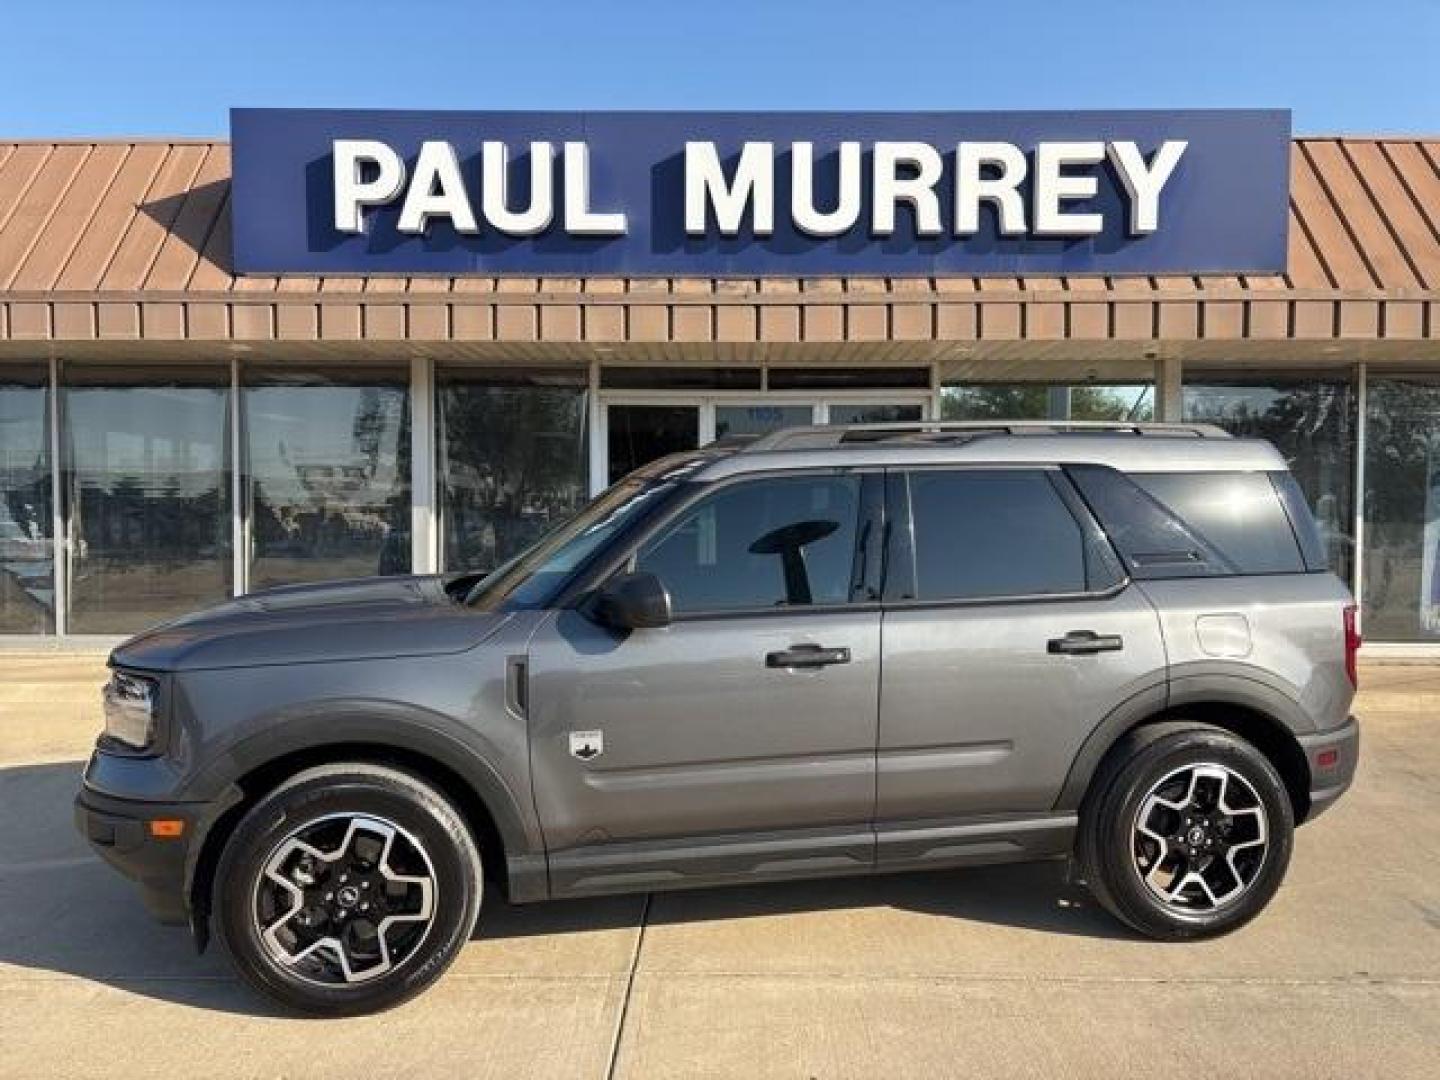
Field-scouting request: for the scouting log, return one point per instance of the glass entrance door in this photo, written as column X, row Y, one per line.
column 639, row 429
column 638, row 434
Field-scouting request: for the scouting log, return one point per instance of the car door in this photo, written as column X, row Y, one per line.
column 740, row 739
column 1009, row 634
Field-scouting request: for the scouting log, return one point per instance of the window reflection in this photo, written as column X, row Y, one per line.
column 327, row 480
column 875, row 414
column 1312, row 423
column 1401, row 593
column 759, row 419
column 148, row 494
column 1131, row 404
column 512, row 460
column 27, row 566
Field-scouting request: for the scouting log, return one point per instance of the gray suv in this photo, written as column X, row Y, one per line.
column 824, row 651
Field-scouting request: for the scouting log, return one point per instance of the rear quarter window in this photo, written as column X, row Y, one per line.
column 1238, row 513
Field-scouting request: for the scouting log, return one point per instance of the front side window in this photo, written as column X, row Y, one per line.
column 990, row 532
column 768, row 543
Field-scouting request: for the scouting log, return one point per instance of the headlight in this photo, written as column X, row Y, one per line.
column 130, row 709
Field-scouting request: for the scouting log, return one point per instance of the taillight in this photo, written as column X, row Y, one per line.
column 1352, row 643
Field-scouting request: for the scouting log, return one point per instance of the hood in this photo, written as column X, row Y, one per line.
column 362, row 619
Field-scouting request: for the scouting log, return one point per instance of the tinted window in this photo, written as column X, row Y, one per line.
column 1311, row 421
column 993, row 533
column 1151, row 540
column 760, row 543
column 1237, row 513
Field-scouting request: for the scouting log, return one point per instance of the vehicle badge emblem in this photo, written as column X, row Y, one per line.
column 587, row 745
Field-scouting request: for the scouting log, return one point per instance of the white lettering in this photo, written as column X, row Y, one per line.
column 918, row 190
column 1053, row 186
column 535, row 218
column 1002, row 189
column 579, row 218
column 1143, row 183
column 436, row 190
column 810, row 220
column 352, row 192
column 705, row 188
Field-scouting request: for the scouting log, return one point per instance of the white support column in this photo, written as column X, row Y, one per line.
column 1169, row 404
column 1057, row 403
column 424, row 531
column 1362, row 402
column 59, row 540
column 239, row 515
column 598, row 434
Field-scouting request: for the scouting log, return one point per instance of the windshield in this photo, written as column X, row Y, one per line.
column 532, row 577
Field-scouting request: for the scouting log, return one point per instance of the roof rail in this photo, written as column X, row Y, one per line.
column 931, row 431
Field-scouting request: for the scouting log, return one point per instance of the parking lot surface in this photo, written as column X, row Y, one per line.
column 1001, row 972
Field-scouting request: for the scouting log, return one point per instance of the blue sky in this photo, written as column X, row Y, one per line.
column 104, row 67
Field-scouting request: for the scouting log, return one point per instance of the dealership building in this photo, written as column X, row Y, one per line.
column 322, row 349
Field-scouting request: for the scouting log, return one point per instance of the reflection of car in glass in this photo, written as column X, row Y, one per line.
column 823, row 651
column 16, row 542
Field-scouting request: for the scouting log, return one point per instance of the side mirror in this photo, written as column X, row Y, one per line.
column 634, row 602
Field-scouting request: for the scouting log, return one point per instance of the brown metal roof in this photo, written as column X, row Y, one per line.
column 131, row 240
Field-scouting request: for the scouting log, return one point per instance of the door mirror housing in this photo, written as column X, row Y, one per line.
column 636, row 601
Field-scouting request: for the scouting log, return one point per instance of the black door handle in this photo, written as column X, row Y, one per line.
column 1080, row 642
column 807, row 656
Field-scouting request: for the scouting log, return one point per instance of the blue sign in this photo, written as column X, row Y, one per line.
column 319, row 191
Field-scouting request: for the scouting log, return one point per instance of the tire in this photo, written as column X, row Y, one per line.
column 381, row 834
column 1164, row 856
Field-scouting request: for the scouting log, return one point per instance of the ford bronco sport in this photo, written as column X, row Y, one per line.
column 824, row 651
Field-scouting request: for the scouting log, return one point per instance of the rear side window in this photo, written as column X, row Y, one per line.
column 1307, row 530
column 1168, row 525
column 988, row 533
column 1237, row 512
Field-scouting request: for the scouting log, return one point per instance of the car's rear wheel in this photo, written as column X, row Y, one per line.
column 1186, row 831
column 347, row 889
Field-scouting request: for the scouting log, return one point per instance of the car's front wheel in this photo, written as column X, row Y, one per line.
column 1186, row 831
column 348, row 889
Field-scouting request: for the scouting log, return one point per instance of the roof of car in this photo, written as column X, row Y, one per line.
column 1134, row 448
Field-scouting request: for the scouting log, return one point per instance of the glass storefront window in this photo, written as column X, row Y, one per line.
column 1401, row 594
column 512, row 460
column 759, row 419
column 147, row 494
column 327, row 474
column 27, row 563
column 1133, row 403
column 875, row 414
column 1311, row 421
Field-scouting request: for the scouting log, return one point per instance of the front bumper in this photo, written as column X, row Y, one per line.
column 119, row 831
column 1332, row 757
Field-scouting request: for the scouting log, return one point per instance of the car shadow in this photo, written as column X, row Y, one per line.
column 64, row 911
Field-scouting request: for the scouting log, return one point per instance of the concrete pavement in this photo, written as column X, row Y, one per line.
column 1000, row 972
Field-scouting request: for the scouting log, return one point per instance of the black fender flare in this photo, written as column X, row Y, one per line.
column 1201, row 683
column 378, row 726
